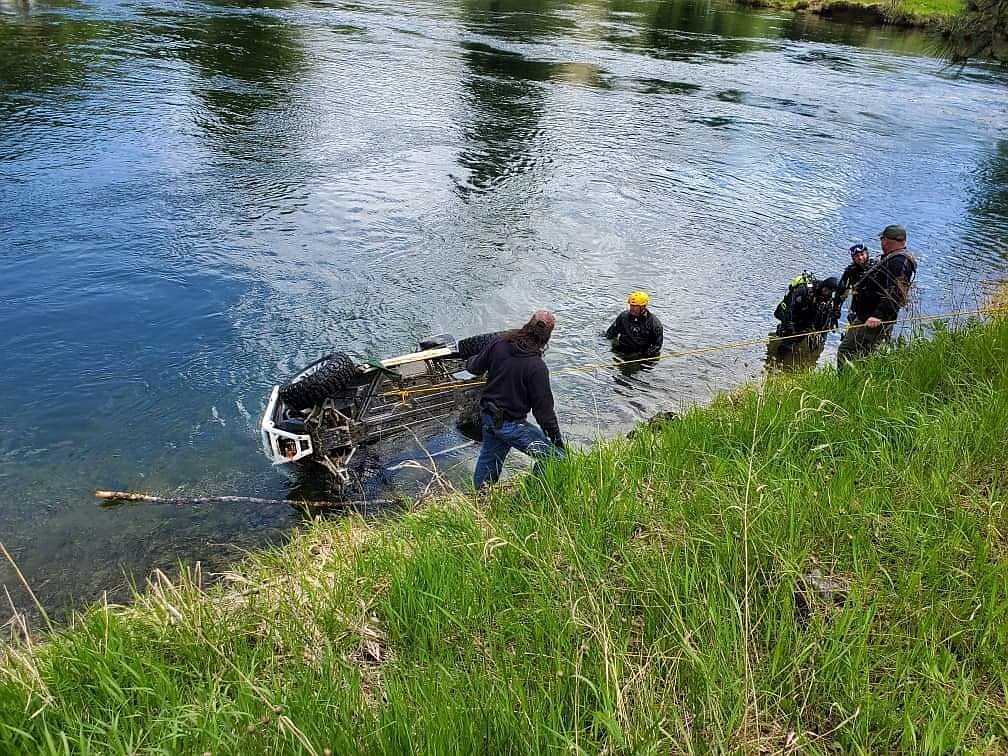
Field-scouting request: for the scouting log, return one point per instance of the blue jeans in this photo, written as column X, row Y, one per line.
column 497, row 442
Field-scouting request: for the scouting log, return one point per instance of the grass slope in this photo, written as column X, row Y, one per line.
column 818, row 563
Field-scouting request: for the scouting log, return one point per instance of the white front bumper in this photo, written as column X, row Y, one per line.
column 281, row 446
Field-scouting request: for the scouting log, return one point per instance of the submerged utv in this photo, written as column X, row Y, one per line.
column 335, row 405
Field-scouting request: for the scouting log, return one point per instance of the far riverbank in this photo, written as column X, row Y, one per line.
column 932, row 15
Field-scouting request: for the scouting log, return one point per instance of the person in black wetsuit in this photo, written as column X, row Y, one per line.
column 807, row 308
column 637, row 330
column 517, row 383
column 860, row 262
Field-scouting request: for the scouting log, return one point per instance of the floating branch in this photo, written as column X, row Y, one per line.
column 121, row 496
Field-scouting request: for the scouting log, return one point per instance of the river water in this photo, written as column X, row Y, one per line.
column 196, row 198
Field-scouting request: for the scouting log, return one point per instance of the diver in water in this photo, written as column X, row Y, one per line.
column 807, row 308
column 860, row 263
column 637, row 331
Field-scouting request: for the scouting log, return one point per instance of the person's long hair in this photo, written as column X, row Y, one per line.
column 533, row 336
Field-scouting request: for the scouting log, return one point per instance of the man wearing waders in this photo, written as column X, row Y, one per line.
column 878, row 297
column 517, row 383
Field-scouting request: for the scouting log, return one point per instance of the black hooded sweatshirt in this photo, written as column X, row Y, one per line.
column 851, row 275
column 517, row 383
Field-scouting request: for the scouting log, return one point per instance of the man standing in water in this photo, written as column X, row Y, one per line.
column 517, row 382
column 637, row 331
column 878, row 297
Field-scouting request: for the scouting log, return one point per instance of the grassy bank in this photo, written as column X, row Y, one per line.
column 937, row 15
column 817, row 563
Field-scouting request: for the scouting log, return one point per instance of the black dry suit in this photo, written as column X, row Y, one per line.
column 637, row 334
column 800, row 312
column 517, row 383
column 851, row 276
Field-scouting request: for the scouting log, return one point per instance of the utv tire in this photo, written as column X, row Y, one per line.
column 334, row 373
column 474, row 344
column 467, row 403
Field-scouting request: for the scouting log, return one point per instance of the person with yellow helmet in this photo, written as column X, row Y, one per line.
column 637, row 330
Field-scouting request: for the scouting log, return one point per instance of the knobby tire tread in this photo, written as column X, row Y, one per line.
column 336, row 372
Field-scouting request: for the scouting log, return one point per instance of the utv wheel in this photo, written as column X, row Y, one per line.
column 321, row 379
column 474, row 344
column 467, row 403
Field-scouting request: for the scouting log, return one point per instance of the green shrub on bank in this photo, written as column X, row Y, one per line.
column 816, row 563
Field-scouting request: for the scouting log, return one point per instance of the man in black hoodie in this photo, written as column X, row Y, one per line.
column 517, row 382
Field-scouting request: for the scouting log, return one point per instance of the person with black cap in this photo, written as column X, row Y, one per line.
column 806, row 309
column 878, row 297
column 860, row 262
column 517, row 383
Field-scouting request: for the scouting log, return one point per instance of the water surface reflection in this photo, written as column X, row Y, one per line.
column 196, row 198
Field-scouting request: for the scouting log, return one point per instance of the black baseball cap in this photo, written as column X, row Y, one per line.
column 895, row 232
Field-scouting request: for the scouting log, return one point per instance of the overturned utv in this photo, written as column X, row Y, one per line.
column 336, row 405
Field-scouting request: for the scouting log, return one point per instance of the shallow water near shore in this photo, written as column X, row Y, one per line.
column 197, row 198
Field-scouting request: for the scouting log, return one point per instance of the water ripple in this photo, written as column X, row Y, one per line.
column 197, row 198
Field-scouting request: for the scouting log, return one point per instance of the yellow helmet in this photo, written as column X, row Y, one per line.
column 639, row 298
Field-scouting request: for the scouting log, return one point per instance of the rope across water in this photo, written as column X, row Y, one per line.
column 404, row 394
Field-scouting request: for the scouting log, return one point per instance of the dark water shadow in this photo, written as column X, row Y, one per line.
column 633, row 366
column 694, row 31
column 800, row 27
column 248, row 65
column 37, row 55
column 793, row 354
column 517, row 20
column 653, row 86
column 502, row 88
column 750, row 99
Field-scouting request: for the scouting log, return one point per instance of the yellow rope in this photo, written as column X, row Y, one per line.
column 724, row 347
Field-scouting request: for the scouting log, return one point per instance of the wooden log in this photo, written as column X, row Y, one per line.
column 122, row 496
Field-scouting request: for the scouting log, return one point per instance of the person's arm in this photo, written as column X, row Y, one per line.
column 791, row 303
column 839, row 296
column 480, row 363
column 894, row 280
column 841, row 293
column 541, row 396
column 657, row 337
column 613, row 331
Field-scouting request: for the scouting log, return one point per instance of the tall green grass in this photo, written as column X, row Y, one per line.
column 818, row 563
